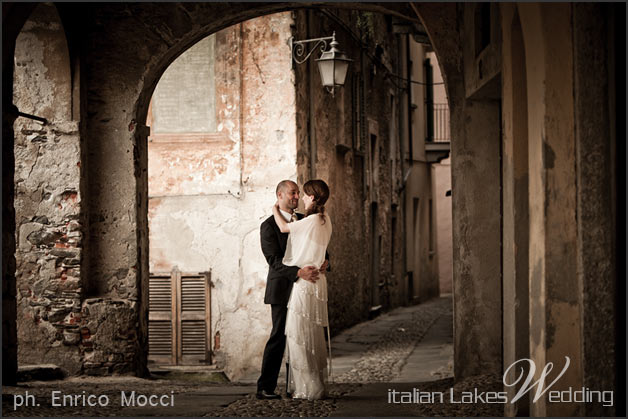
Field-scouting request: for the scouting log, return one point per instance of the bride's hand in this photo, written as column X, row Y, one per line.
column 276, row 206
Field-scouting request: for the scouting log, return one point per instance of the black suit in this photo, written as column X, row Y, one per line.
column 278, row 287
column 280, row 277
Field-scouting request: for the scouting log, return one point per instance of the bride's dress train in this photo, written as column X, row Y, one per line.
column 307, row 310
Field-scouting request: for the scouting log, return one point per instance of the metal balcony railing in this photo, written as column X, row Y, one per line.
column 441, row 123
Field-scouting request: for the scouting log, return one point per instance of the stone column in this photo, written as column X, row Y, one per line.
column 476, row 234
column 515, row 202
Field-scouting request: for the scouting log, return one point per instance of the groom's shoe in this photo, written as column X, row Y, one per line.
column 265, row 395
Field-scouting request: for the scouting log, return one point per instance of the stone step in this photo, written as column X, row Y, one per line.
column 43, row 372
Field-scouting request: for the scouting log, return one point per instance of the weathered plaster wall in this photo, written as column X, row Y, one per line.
column 441, row 176
column 418, row 187
column 555, row 316
column 423, row 265
column 442, row 213
column 13, row 18
column 42, row 79
column 209, row 192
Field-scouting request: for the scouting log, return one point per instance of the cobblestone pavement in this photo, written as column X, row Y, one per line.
column 370, row 377
column 384, row 359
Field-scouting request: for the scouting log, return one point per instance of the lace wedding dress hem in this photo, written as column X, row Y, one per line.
column 306, row 349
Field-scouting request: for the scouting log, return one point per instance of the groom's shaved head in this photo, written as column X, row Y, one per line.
column 283, row 185
column 287, row 195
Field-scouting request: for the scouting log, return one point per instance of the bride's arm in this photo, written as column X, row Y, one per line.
column 281, row 222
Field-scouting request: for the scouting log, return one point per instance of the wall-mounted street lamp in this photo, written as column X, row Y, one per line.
column 332, row 64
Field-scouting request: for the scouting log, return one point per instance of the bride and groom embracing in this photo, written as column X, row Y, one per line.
column 295, row 247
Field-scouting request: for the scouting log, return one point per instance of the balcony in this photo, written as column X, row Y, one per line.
column 438, row 141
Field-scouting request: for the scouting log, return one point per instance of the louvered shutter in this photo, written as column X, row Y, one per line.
column 193, row 319
column 161, row 320
column 179, row 318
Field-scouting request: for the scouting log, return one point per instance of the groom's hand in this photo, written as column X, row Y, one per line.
column 324, row 266
column 309, row 273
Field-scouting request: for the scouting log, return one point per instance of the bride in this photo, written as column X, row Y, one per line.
column 307, row 307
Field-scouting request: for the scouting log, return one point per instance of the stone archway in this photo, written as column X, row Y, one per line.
column 129, row 111
column 224, row 341
column 114, row 262
column 142, row 104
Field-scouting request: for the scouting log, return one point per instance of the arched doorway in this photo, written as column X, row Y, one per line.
column 327, row 141
column 214, row 161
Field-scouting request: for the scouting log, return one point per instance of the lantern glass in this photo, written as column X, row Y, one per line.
column 340, row 72
column 326, row 69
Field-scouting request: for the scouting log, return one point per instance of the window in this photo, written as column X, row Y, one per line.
column 482, row 27
column 184, row 100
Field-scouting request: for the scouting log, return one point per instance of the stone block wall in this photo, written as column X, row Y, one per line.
column 49, row 242
column 47, row 197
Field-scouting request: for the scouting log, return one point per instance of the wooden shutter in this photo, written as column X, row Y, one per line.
column 193, row 319
column 180, row 318
column 161, row 320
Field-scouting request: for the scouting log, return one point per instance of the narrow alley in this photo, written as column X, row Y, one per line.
column 395, row 351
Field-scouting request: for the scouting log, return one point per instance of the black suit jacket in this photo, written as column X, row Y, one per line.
column 280, row 277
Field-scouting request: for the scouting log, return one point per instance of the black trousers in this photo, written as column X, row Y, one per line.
column 273, row 352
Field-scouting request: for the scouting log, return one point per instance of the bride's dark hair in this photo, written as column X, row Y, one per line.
column 320, row 191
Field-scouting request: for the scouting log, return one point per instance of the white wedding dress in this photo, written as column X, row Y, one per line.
column 307, row 309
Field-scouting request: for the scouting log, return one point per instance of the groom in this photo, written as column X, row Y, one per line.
column 279, row 284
